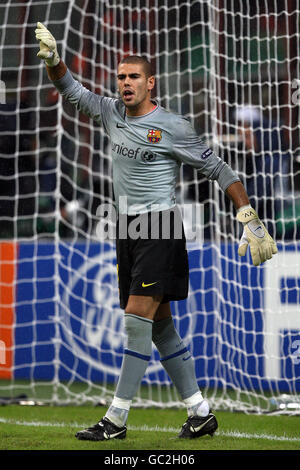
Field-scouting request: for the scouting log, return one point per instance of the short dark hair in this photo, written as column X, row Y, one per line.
column 136, row 59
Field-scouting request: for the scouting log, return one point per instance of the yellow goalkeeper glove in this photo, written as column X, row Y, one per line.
column 48, row 49
column 262, row 245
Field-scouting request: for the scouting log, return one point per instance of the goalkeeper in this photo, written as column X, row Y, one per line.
column 148, row 146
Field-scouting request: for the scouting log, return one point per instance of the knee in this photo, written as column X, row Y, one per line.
column 137, row 310
column 142, row 306
column 163, row 312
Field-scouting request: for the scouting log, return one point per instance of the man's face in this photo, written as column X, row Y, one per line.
column 133, row 85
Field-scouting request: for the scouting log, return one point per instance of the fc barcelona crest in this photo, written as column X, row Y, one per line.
column 154, row 136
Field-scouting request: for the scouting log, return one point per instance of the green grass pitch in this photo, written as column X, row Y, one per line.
column 54, row 428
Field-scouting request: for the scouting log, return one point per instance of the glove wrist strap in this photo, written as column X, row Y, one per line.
column 245, row 214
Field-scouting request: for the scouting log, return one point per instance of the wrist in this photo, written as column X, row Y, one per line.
column 242, row 208
column 57, row 72
column 52, row 61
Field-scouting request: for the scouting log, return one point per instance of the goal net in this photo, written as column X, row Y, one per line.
column 232, row 68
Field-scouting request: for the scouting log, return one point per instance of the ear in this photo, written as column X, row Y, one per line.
column 151, row 82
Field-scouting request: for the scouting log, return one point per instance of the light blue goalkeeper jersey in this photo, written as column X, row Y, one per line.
column 147, row 151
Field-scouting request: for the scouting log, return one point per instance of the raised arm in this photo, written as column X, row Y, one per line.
column 56, row 68
column 95, row 106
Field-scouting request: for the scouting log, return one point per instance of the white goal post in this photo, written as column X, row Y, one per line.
column 232, row 68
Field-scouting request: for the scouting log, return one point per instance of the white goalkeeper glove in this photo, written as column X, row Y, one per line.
column 48, row 49
column 262, row 245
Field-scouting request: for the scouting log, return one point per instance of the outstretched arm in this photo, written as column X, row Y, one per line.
column 190, row 149
column 95, row 106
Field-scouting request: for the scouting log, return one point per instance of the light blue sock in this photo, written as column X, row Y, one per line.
column 135, row 361
column 175, row 357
